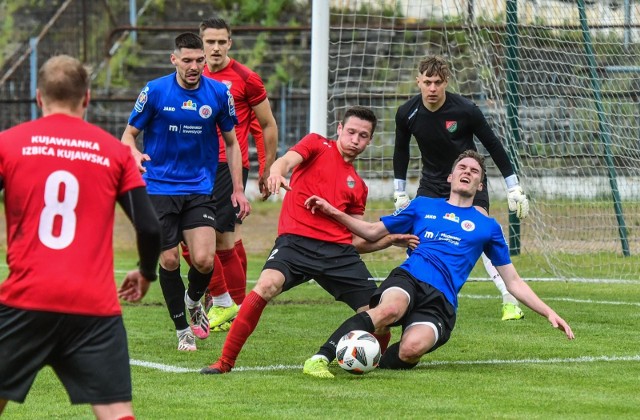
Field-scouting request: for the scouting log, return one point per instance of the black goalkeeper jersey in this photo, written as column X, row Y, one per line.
column 442, row 135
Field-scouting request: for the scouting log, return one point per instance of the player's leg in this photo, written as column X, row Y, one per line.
column 201, row 243
column 269, row 285
column 510, row 308
column 120, row 411
column 239, row 246
column 234, row 274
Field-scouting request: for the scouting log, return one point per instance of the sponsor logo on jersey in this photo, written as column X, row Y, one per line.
column 468, row 225
column 189, row 105
column 205, row 111
column 452, row 217
column 429, row 234
column 451, row 126
column 169, row 109
column 143, row 97
column 232, row 104
column 351, row 182
column 430, row 216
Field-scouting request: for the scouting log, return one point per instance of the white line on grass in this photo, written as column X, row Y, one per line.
column 582, row 359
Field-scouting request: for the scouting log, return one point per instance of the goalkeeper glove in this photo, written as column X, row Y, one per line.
column 518, row 201
column 400, row 199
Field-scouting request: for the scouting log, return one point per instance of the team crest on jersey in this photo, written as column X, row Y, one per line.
column 468, row 226
column 189, row 105
column 143, row 97
column 451, row 126
column 452, row 217
column 232, row 104
column 205, row 111
column 227, row 83
column 351, row 182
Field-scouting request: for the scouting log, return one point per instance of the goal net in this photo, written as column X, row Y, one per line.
column 559, row 82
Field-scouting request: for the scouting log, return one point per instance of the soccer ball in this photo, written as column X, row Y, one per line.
column 358, row 352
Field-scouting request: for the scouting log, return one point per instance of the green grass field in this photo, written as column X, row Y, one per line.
column 489, row 368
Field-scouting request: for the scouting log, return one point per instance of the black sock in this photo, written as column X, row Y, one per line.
column 198, row 283
column 361, row 321
column 173, row 292
column 391, row 359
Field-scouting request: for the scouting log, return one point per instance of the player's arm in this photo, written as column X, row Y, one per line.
column 401, row 155
column 403, row 240
column 280, row 169
column 129, row 138
column 521, row 290
column 138, row 208
column 516, row 197
column 269, row 127
column 234, row 160
column 369, row 231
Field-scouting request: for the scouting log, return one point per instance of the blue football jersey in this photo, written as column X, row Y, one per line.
column 452, row 239
column 180, row 134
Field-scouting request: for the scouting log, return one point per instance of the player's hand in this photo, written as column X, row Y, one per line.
column 315, row 204
column 264, row 187
column 400, row 199
column 140, row 159
column 405, row 240
column 275, row 182
column 518, row 201
column 134, row 287
column 239, row 201
column 561, row 324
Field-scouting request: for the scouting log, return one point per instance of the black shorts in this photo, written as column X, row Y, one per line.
column 426, row 304
column 88, row 353
column 182, row 212
column 337, row 268
column 440, row 190
column 226, row 214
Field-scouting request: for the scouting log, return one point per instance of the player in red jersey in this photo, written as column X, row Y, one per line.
column 229, row 282
column 314, row 246
column 62, row 177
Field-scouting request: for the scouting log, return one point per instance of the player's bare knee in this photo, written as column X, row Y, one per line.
column 268, row 287
column 387, row 314
column 411, row 350
column 203, row 263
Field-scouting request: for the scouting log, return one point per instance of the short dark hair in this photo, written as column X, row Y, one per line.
column 435, row 65
column 363, row 113
column 188, row 40
column 473, row 155
column 214, row 23
column 63, row 79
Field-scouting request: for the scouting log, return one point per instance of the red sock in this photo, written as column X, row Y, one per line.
column 242, row 327
column 233, row 274
column 185, row 254
column 242, row 254
column 218, row 284
column 383, row 339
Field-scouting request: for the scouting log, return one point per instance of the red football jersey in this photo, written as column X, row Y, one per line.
column 62, row 177
column 247, row 90
column 324, row 173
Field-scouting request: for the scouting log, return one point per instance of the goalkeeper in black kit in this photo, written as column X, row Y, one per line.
column 443, row 124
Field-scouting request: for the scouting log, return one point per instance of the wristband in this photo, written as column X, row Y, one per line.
column 399, row 185
column 512, row 181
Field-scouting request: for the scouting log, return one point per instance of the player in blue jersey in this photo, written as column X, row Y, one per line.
column 444, row 124
column 179, row 114
column 421, row 294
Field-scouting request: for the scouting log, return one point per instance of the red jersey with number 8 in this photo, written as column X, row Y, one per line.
column 62, row 177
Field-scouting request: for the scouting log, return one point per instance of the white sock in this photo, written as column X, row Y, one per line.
column 319, row 356
column 180, row 332
column 497, row 280
column 223, row 300
column 189, row 302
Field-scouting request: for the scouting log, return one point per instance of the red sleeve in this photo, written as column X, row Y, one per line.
column 256, row 92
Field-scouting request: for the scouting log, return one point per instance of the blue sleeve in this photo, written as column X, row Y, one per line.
column 497, row 249
column 226, row 119
column 401, row 221
column 143, row 110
